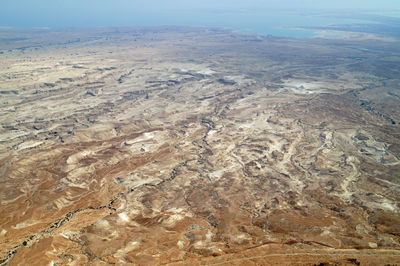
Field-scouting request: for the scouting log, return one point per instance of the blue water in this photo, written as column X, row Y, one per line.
column 283, row 23
column 264, row 23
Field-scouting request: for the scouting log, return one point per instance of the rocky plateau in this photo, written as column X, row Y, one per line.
column 192, row 146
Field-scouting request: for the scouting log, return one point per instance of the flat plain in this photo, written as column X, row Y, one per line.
column 193, row 146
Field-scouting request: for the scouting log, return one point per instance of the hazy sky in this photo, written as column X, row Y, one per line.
column 89, row 13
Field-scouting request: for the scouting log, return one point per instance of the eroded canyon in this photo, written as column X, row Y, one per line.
column 150, row 146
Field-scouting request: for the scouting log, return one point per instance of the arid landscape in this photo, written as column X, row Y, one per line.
column 195, row 146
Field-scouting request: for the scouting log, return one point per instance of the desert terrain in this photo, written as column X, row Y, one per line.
column 193, row 146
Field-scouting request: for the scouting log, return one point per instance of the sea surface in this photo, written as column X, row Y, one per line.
column 282, row 23
column 274, row 23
